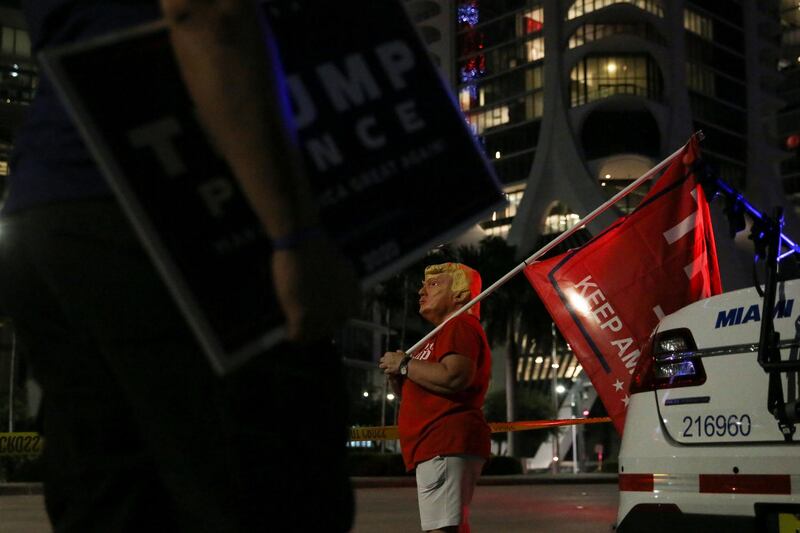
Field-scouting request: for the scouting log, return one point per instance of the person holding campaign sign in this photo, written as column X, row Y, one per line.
column 443, row 433
column 140, row 433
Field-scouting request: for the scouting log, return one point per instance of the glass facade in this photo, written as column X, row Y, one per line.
column 789, row 90
column 502, row 79
column 500, row 222
column 499, row 104
column 593, row 32
column 14, row 42
column 501, row 91
column 597, row 77
column 700, row 79
column 789, row 131
column 722, row 10
column 715, row 77
column 515, row 167
column 559, row 223
column 18, row 82
column 514, row 23
column 698, row 24
column 607, row 132
column 713, row 111
column 584, row 7
column 18, row 76
column 5, row 152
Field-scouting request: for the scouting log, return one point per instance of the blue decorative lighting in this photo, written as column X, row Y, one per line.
column 469, row 74
column 468, row 14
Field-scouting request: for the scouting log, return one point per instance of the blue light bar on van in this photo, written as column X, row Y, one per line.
column 755, row 214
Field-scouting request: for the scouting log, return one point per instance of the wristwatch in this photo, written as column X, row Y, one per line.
column 404, row 365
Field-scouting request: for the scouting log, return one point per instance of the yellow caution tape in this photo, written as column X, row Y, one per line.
column 788, row 523
column 390, row 432
column 504, row 427
column 374, row 433
column 29, row 444
column 20, row 444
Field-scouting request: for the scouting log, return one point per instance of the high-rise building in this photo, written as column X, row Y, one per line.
column 572, row 100
column 18, row 79
column 436, row 24
column 789, row 92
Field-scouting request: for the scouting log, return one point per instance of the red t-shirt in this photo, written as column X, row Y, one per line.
column 432, row 424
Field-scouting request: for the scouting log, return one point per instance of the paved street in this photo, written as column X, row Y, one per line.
column 509, row 509
column 567, row 508
column 23, row 514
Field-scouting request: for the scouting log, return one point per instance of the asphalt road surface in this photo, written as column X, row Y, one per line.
column 568, row 508
column 548, row 508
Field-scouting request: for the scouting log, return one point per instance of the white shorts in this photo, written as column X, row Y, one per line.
column 444, row 489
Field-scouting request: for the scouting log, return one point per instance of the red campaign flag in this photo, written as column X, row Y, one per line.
column 607, row 296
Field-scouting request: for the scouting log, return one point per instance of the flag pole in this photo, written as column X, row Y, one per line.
column 558, row 240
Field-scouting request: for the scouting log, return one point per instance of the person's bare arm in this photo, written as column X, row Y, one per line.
column 230, row 70
column 452, row 374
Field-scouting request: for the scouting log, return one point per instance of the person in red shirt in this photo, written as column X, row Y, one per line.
column 443, row 433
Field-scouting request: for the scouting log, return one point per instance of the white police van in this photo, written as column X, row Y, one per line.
column 709, row 441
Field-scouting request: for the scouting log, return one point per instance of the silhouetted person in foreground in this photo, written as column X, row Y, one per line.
column 140, row 434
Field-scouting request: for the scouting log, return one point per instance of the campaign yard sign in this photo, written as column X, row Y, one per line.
column 393, row 166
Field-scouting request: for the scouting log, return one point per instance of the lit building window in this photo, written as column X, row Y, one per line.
column 700, row 79
column 514, row 199
column 499, row 231
column 598, row 77
column 534, row 49
column 465, row 97
column 584, row 7
column 698, row 24
column 534, row 105
column 559, row 223
column 361, row 444
column 488, row 119
column 510, row 211
column 525, row 85
column 501, row 220
column 534, row 78
column 560, row 219
column 14, row 41
column 524, row 108
column 531, row 21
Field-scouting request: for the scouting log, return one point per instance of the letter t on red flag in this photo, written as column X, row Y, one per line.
column 607, row 296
